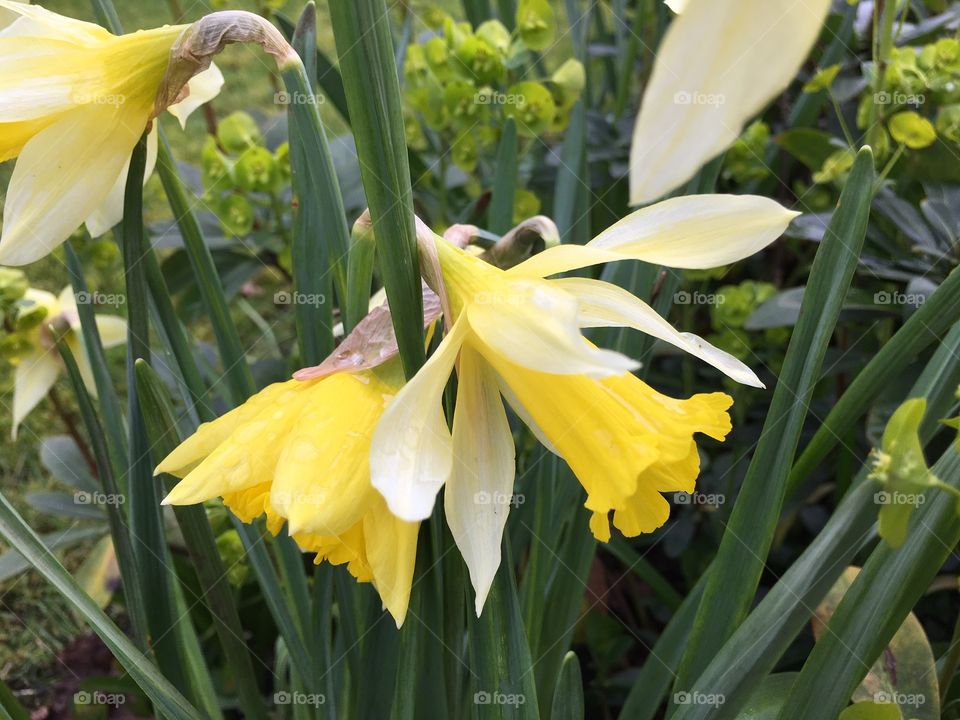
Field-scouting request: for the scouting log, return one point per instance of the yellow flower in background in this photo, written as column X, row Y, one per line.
column 298, row 451
column 719, row 64
column 74, row 101
column 518, row 335
column 38, row 370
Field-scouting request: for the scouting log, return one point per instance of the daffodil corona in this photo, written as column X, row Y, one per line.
column 298, row 452
column 516, row 334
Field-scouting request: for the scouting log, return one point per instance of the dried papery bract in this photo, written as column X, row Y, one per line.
column 195, row 48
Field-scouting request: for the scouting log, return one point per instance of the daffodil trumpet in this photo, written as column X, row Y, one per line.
column 515, row 335
column 74, row 101
column 298, row 453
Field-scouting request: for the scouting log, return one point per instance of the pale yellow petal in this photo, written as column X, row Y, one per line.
column 61, row 176
column 605, row 305
column 202, row 88
column 534, row 324
column 110, row 211
column 34, row 20
column 32, row 380
column 391, row 548
column 112, row 329
column 678, row 6
column 411, row 456
column 480, row 490
column 79, row 350
column 718, row 65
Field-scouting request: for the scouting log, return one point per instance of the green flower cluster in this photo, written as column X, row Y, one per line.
column 728, row 315
column 920, row 99
column 242, row 179
column 18, row 317
column 462, row 83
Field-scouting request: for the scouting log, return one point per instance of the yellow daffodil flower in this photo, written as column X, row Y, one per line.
column 720, row 63
column 518, row 335
column 298, row 451
column 37, row 370
column 74, row 101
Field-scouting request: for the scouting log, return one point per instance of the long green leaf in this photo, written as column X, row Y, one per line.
column 877, row 603
column 164, row 695
column 146, row 522
column 362, row 31
column 568, row 694
column 321, row 239
column 504, row 181
column 924, row 327
column 767, row 632
column 746, row 540
column 201, row 545
column 502, row 668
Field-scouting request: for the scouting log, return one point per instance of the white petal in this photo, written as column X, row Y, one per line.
column 34, row 377
column 112, row 329
column 110, row 212
column 203, row 88
column 697, row 231
column 36, row 21
column 719, row 64
column 61, row 176
column 411, row 455
column 534, row 324
column 678, row 6
column 44, row 299
column 79, row 350
column 605, row 305
column 479, row 493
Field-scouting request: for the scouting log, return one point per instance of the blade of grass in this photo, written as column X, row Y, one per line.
column 571, row 192
column 362, row 31
column 500, row 218
column 746, row 541
column 202, row 547
column 875, row 606
column 145, row 674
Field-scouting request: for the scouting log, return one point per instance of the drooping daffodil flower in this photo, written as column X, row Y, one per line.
column 299, row 452
column 74, row 101
column 718, row 65
column 39, row 367
column 517, row 335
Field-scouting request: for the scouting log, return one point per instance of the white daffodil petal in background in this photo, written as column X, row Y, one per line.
column 719, row 64
column 411, row 455
column 57, row 182
column 691, row 232
column 110, row 212
column 605, row 305
column 35, row 375
column 478, row 494
column 678, row 6
column 535, row 325
column 202, row 88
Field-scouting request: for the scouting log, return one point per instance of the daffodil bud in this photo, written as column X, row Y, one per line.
column 13, row 284
column 480, row 61
column 536, row 23
column 948, row 123
column 495, row 34
column 236, row 215
column 256, row 170
column 238, row 131
column 532, row 107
